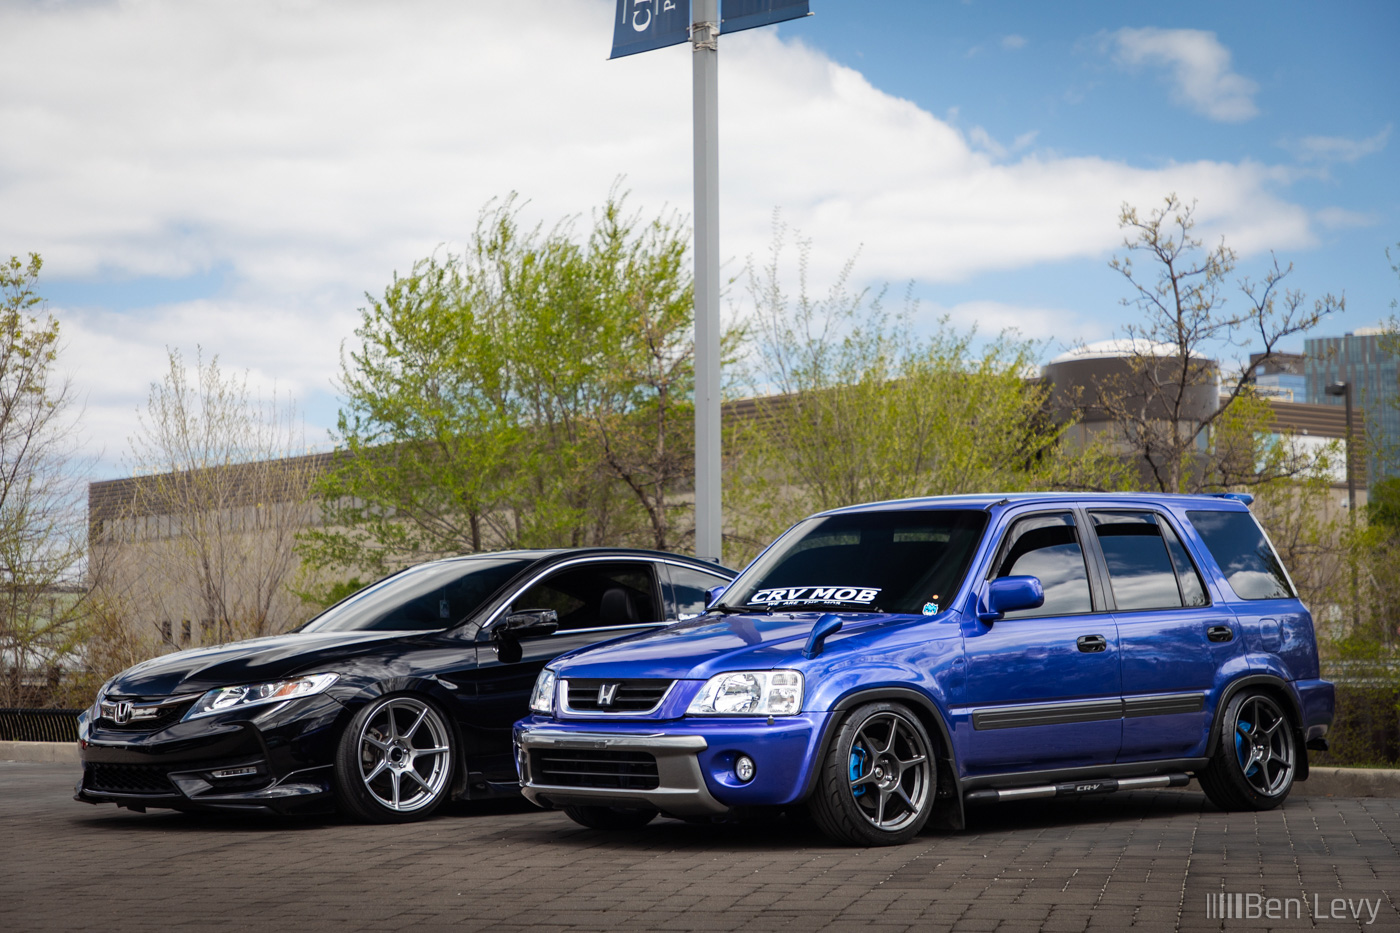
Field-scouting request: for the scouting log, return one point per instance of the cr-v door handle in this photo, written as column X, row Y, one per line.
column 1220, row 633
column 1091, row 643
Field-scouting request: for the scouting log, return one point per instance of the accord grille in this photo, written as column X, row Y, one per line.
column 127, row 779
column 143, row 715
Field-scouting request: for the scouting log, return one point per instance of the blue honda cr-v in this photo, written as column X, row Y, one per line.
column 891, row 662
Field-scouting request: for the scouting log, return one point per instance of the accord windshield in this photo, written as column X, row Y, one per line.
column 427, row 597
column 889, row 561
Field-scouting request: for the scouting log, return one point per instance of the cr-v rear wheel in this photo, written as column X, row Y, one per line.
column 1255, row 758
column 877, row 782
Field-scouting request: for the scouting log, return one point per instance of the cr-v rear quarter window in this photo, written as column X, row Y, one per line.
column 1239, row 547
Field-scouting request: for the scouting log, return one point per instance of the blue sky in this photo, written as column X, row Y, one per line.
column 1322, row 71
column 236, row 174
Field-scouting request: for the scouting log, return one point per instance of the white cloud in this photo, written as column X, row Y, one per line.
column 1327, row 149
column 1041, row 324
column 1337, row 218
column 309, row 150
column 1013, row 42
column 1199, row 67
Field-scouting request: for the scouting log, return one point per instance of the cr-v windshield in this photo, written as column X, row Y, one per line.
column 898, row 561
column 426, row 597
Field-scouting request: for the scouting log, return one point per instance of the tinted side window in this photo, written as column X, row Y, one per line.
column 1139, row 569
column 1193, row 591
column 688, row 586
column 595, row 595
column 1238, row 545
column 1047, row 547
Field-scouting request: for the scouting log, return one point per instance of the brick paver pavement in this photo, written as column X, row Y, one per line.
column 1142, row 861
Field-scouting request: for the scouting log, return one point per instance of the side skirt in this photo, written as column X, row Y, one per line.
column 1077, row 788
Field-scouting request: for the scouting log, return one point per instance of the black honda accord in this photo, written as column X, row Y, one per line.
column 386, row 704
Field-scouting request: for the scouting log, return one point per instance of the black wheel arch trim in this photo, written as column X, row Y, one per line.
column 1276, row 686
column 920, row 702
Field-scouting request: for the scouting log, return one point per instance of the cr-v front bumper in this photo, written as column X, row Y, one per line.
column 687, row 770
column 679, row 787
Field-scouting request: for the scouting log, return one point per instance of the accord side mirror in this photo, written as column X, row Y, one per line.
column 713, row 594
column 526, row 623
column 1010, row 594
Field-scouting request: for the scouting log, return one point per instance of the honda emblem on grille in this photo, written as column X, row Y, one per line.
column 607, row 693
column 121, row 713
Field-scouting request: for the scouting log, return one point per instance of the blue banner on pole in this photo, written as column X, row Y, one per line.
column 643, row 25
column 748, row 14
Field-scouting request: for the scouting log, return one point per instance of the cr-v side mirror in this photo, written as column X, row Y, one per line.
column 1009, row 594
column 714, row 593
column 527, row 623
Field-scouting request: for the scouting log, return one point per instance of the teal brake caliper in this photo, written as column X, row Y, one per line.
column 857, row 769
column 1242, row 749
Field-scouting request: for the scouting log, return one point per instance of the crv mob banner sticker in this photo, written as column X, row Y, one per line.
column 860, row 595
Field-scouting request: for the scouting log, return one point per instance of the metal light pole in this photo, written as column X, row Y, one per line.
column 704, row 42
column 1344, row 389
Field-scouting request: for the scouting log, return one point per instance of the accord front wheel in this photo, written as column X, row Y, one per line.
column 395, row 761
column 877, row 782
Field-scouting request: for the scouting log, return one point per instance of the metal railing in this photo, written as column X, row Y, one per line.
column 39, row 725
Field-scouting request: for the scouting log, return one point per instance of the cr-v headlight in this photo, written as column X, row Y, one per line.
column 542, row 697
column 226, row 698
column 749, row 693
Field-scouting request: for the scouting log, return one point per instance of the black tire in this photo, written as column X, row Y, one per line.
column 395, row 761
column 878, row 780
column 1256, row 756
column 609, row 817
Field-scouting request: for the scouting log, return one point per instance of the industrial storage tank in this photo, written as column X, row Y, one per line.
column 1133, row 373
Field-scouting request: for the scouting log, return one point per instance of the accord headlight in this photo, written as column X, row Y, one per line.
column 749, row 693
column 276, row 691
column 542, row 697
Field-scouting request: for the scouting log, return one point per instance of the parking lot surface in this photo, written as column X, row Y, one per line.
column 1141, row 861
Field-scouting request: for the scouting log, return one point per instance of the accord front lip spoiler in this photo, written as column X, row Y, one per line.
column 680, row 790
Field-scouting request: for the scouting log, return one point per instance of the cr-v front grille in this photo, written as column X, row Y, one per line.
column 577, row 767
column 615, row 696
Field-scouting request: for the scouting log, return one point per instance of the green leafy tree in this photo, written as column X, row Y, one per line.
column 852, row 406
column 534, row 390
column 42, row 607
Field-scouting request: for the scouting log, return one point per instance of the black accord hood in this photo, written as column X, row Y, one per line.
column 246, row 662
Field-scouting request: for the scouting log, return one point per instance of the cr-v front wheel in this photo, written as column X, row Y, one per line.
column 1255, row 758
column 877, row 782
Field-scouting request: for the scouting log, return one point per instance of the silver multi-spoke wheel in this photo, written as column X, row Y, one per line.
column 879, row 777
column 1264, row 746
column 395, row 760
column 889, row 772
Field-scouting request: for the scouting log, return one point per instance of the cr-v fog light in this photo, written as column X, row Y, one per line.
column 744, row 768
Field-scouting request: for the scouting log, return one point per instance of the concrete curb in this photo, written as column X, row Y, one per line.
column 1321, row 782
column 1350, row 782
column 48, row 752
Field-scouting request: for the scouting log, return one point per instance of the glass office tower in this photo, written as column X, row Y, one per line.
column 1364, row 359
